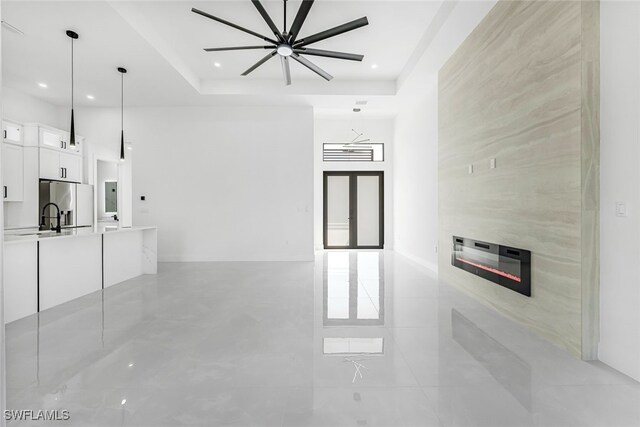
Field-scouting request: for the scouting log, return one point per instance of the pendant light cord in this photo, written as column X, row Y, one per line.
column 72, row 74
column 285, row 16
column 122, row 101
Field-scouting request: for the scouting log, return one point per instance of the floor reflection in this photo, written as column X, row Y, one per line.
column 353, row 291
column 511, row 371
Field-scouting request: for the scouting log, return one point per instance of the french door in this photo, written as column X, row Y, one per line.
column 353, row 210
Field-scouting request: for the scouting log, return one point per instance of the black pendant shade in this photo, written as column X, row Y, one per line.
column 72, row 130
column 122, row 72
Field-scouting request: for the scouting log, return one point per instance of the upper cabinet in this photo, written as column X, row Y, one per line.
column 58, row 160
column 12, row 172
column 11, row 132
column 59, row 140
column 60, row 166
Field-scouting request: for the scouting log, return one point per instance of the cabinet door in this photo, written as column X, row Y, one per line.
column 71, row 166
column 11, row 132
column 12, row 172
column 51, row 139
column 50, row 164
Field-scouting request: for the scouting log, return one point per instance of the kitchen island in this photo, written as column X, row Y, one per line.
column 44, row 269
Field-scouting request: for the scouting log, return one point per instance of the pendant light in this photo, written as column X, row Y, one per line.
column 72, row 131
column 122, row 72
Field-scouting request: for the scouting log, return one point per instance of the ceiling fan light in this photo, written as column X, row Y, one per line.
column 284, row 50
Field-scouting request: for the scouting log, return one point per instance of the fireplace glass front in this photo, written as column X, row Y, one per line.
column 507, row 266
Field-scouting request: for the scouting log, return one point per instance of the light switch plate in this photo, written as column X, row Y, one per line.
column 621, row 209
column 492, row 163
column 470, row 169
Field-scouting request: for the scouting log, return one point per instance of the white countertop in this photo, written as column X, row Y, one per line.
column 33, row 234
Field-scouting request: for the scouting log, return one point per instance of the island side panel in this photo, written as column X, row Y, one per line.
column 123, row 254
column 20, row 280
column 69, row 268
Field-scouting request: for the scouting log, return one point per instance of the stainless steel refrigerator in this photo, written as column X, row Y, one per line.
column 74, row 200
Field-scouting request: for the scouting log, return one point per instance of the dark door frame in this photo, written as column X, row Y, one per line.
column 353, row 208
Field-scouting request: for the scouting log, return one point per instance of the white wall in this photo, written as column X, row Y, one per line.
column 24, row 108
column 416, row 132
column 221, row 184
column 337, row 128
column 416, row 181
column 620, row 181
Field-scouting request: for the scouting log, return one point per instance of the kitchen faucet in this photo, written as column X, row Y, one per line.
column 43, row 225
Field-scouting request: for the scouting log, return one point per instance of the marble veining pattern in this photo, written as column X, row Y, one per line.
column 242, row 344
column 515, row 91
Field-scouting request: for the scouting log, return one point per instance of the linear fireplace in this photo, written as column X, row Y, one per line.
column 504, row 265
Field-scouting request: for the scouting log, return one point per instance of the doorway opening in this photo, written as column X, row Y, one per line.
column 353, row 210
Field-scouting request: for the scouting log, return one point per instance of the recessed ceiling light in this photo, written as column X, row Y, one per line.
column 217, row 64
column 42, row 84
column 374, row 66
column 91, row 97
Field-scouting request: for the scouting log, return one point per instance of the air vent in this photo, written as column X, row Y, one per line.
column 352, row 152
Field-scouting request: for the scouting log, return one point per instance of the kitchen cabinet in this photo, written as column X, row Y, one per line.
column 20, row 275
column 72, row 167
column 11, row 132
column 60, row 166
column 12, row 172
column 56, row 139
column 37, row 268
column 50, row 164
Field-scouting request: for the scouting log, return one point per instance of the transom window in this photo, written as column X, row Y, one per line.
column 353, row 152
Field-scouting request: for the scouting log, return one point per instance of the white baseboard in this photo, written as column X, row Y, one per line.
column 199, row 258
column 433, row 268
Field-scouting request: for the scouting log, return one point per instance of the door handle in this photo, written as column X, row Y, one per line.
column 5, row 191
column 5, row 134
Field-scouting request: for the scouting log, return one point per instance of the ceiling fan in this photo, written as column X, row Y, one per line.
column 287, row 44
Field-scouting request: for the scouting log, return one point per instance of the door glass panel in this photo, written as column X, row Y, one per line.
column 368, row 285
column 337, row 285
column 353, row 345
column 337, row 211
column 368, row 210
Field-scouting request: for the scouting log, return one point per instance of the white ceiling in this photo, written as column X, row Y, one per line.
column 161, row 42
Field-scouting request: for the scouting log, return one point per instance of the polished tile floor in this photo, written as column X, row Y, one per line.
column 356, row 339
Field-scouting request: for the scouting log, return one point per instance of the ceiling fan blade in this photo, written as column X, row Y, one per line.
column 222, row 49
column 313, row 67
column 349, row 26
column 305, row 7
column 329, row 54
column 267, row 19
column 259, row 63
column 237, row 27
column 286, row 70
